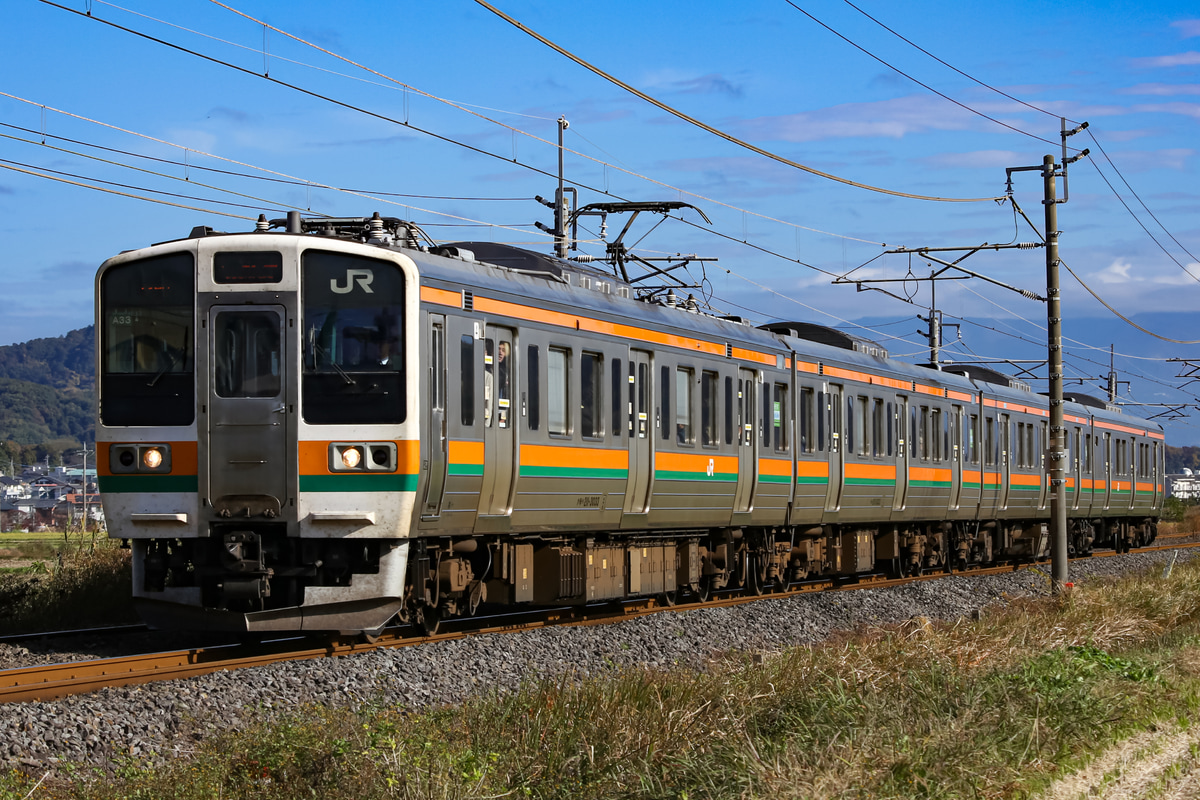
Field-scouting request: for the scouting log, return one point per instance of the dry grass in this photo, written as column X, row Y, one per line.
column 996, row 708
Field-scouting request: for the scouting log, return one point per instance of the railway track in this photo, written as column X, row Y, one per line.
column 52, row 681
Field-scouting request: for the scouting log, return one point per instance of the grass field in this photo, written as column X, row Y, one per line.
column 1007, row 706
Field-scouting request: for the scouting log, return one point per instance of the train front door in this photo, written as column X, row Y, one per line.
column 247, row 427
column 747, row 441
column 499, row 422
column 641, row 436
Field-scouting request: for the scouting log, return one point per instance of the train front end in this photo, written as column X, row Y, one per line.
column 256, row 429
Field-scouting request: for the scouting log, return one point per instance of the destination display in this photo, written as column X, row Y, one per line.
column 253, row 267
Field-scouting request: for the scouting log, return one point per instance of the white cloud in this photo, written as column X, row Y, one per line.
column 978, row 159
column 893, row 118
column 1116, row 272
column 1187, row 59
column 1163, row 89
column 1183, row 109
column 1189, row 276
column 1187, row 27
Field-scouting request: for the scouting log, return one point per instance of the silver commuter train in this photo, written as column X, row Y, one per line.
column 331, row 426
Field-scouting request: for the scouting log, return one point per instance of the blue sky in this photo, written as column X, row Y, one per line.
column 762, row 71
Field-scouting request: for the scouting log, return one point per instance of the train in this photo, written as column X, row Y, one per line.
column 334, row 424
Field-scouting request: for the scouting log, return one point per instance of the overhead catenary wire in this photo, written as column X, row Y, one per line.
column 535, row 137
column 1090, row 130
column 896, row 69
column 716, row 131
column 233, row 173
column 407, row 124
column 1100, row 299
column 123, row 194
column 1104, row 153
column 733, row 239
column 312, row 184
column 947, row 64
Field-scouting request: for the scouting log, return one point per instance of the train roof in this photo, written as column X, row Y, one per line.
column 526, row 273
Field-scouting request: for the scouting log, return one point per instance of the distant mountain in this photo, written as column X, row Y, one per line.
column 48, row 389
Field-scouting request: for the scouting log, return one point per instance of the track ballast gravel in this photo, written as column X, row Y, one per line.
column 165, row 719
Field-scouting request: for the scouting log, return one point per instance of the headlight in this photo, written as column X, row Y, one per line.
column 126, row 459
column 362, row 457
column 152, row 457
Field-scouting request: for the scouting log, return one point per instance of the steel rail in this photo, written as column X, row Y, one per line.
column 52, row 681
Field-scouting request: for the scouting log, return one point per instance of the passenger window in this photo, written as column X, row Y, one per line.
column 466, row 379
column 877, row 437
column 683, row 406
column 862, row 425
column 989, row 441
column 821, row 421
column 617, row 375
column 664, row 386
column 590, row 397
column 767, row 417
column 851, row 429
column 806, row 421
column 728, row 410
column 497, row 381
column 780, row 418
column 557, row 398
column 437, row 381
column 533, row 370
column 923, row 438
column 708, row 409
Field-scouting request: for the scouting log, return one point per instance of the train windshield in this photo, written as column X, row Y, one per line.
column 147, row 318
column 353, row 340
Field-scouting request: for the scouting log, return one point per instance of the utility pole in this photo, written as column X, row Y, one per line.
column 560, row 199
column 1057, row 455
column 1056, row 448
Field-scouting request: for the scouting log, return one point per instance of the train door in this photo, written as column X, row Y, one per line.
column 833, row 410
column 954, row 453
column 641, row 439
column 747, row 410
column 1005, row 437
column 899, row 424
column 247, row 420
column 499, row 422
column 435, row 434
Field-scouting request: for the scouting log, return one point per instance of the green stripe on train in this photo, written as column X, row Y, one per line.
column 573, row 472
column 124, row 484
column 358, row 482
column 466, row 470
column 672, row 475
column 871, row 482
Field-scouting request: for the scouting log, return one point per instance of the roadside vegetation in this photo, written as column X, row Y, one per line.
column 998, row 707
column 55, row 581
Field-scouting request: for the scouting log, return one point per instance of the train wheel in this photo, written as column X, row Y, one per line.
column 668, row 599
column 704, row 589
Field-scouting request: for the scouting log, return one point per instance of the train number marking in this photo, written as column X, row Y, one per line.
column 363, row 277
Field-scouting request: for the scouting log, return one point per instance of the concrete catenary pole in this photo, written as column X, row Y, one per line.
column 1056, row 448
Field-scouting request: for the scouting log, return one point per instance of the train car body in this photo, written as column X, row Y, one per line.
column 327, row 427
